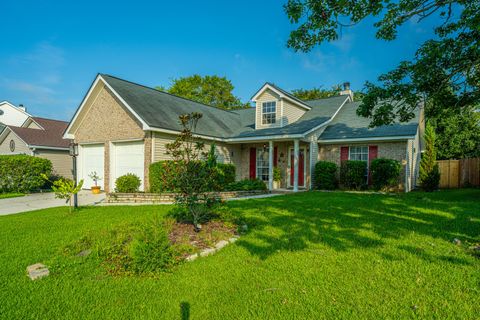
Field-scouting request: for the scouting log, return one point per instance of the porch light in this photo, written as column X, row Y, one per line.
column 73, row 149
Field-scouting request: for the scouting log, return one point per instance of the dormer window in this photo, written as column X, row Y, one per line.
column 269, row 112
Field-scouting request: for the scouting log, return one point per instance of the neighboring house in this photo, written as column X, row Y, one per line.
column 122, row 127
column 42, row 138
column 11, row 115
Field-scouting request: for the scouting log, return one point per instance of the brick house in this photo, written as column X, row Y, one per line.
column 122, row 127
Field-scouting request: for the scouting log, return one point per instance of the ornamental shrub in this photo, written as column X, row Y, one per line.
column 247, row 185
column 385, row 173
column 164, row 174
column 429, row 172
column 222, row 175
column 353, row 174
column 127, row 183
column 325, row 175
column 22, row 173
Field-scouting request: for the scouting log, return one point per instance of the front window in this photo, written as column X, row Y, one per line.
column 269, row 112
column 262, row 164
column 358, row 153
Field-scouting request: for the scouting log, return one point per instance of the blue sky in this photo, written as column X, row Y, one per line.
column 52, row 50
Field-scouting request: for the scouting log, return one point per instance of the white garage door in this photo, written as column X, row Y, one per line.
column 91, row 159
column 128, row 157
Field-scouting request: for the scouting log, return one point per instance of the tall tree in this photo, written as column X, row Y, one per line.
column 211, row 90
column 444, row 72
column 320, row 93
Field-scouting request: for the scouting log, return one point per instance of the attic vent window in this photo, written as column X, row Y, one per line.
column 269, row 112
column 1, row 112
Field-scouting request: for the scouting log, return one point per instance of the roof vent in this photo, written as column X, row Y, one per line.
column 346, row 90
column 21, row 107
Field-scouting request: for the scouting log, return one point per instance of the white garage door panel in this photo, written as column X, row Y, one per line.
column 91, row 160
column 128, row 158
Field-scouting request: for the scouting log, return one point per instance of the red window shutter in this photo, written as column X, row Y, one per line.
column 253, row 163
column 372, row 154
column 275, row 156
column 343, row 153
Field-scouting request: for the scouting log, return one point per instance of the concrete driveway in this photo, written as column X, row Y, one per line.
column 38, row 201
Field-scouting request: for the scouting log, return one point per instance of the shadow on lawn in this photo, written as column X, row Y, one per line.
column 345, row 221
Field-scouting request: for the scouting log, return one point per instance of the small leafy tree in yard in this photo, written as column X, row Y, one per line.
column 193, row 176
column 127, row 183
column 385, row 173
column 429, row 172
column 325, row 175
column 95, row 177
column 65, row 189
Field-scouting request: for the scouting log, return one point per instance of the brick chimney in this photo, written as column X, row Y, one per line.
column 346, row 90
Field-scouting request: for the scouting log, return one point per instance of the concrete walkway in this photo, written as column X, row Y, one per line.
column 38, row 201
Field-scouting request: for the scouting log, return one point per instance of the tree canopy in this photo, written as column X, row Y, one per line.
column 210, row 90
column 320, row 93
column 444, row 74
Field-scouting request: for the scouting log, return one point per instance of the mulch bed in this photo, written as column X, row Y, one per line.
column 212, row 232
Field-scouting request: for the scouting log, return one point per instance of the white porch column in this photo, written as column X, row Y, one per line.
column 270, row 165
column 296, row 149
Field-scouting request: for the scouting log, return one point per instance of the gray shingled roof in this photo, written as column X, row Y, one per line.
column 161, row 110
column 348, row 125
column 322, row 110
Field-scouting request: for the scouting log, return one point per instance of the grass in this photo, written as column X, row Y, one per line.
column 11, row 195
column 308, row 255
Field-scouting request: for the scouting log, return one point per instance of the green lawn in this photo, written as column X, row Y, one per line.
column 309, row 255
column 10, row 195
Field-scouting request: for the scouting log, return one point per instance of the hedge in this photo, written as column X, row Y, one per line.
column 325, row 175
column 163, row 174
column 22, row 173
column 353, row 174
column 385, row 173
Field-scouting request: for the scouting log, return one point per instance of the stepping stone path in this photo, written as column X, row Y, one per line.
column 37, row 271
column 209, row 251
column 84, row 253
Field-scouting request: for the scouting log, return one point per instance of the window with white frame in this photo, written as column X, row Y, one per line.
column 269, row 112
column 358, row 153
column 262, row 164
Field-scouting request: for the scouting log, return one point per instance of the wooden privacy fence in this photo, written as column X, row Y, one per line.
column 459, row 173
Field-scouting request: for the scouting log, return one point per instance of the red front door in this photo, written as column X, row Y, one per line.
column 301, row 167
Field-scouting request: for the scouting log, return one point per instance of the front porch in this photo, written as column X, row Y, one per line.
column 293, row 158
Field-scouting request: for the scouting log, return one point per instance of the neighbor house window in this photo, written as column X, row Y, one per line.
column 269, row 112
column 262, row 164
column 358, row 153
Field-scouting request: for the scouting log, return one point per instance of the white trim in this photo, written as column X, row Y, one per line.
column 47, row 148
column 126, row 140
column 406, row 186
column 289, row 165
column 282, row 95
column 152, row 136
column 195, row 135
column 394, row 138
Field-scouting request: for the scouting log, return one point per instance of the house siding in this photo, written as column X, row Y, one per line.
column 20, row 146
column 267, row 96
column 391, row 150
column 291, row 112
column 225, row 153
column 62, row 163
